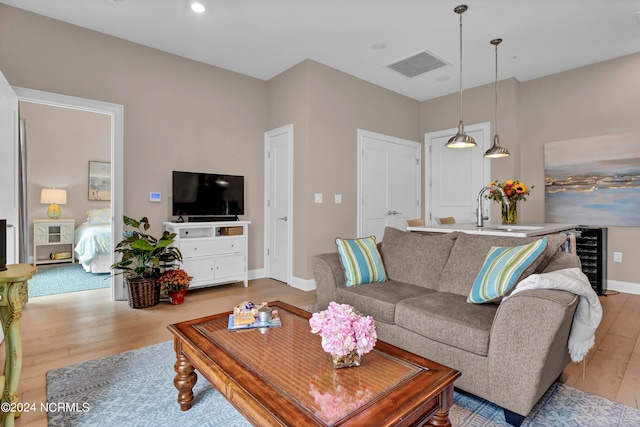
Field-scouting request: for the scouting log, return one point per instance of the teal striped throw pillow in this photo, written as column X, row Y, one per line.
column 502, row 269
column 361, row 260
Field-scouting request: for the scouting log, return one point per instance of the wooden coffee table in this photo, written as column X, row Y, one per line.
column 282, row 377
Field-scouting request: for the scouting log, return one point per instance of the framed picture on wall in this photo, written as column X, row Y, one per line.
column 99, row 181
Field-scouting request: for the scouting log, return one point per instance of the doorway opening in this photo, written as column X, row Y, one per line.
column 116, row 113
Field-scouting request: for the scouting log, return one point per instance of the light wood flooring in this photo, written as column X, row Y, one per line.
column 62, row 330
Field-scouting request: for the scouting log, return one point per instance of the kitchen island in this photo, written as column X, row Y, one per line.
column 497, row 229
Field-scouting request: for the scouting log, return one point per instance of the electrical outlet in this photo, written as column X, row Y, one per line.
column 617, row 257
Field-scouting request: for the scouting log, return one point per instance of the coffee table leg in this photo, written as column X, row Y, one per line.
column 441, row 418
column 184, row 381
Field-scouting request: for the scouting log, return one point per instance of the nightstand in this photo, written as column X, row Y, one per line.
column 53, row 232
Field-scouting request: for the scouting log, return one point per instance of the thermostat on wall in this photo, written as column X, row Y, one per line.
column 155, row 196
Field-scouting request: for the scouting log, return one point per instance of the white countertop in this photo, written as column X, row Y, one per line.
column 497, row 229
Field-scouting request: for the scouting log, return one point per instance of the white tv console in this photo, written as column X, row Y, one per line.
column 214, row 253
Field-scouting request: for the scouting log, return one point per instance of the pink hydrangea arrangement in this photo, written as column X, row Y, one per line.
column 343, row 330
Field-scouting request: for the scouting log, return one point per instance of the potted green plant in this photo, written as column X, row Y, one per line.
column 143, row 257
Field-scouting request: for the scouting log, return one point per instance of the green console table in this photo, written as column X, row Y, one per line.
column 13, row 295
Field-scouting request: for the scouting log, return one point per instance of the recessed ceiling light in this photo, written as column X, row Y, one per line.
column 114, row 1
column 442, row 78
column 198, row 7
column 378, row 46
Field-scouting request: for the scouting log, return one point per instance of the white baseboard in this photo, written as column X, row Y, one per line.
column 258, row 273
column 625, row 287
column 303, row 284
column 296, row 282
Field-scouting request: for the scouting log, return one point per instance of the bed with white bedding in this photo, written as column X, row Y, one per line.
column 93, row 244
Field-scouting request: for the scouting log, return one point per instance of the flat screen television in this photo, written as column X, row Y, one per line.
column 207, row 195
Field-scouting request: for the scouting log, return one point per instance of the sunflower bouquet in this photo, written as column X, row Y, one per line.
column 514, row 190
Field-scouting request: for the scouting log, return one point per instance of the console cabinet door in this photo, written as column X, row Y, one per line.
column 41, row 234
column 229, row 266
column 201, row 269
column 66, row 233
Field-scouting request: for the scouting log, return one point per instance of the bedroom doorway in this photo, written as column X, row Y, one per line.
column 115, row 112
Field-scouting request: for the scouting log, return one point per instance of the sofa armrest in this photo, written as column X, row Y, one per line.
column 329, row 275
column 528, row 346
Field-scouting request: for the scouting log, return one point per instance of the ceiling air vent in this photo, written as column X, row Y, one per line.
column 417, row 64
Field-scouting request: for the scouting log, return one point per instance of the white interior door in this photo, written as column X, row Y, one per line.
column 456, row 175
column 278, row 188
column 389, row 178
column 9, row 166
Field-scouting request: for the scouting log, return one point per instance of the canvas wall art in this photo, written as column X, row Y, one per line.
column 99, row 181
column 594, row 180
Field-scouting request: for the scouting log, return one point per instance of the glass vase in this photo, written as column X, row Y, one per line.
column 351, row 359
column 510, row 213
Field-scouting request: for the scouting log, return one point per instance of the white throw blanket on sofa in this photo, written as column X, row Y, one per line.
column 588, row 313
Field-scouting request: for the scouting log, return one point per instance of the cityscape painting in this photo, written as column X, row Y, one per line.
column 594, row 180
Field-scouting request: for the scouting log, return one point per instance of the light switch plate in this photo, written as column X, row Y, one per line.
column 337, row 198
column 318, row 197
column 155, row 196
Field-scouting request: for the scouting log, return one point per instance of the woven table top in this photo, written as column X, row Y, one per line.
column 292, row 359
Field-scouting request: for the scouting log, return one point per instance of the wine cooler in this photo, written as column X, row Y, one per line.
column 591, row 246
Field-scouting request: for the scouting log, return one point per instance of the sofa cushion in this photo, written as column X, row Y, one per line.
column 468, row 254
column 379, row 299
column 554, row 241
column 448, row 319
column 361, row 260
column 502, row 269
column 560, row 261
column 415, row 258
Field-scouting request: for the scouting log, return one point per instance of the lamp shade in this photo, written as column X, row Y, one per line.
column 53, row 195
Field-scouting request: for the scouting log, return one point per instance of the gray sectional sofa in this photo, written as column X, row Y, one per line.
column 509, row 352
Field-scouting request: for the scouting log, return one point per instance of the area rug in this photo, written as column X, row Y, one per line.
column 49, row 280
column 135, row 388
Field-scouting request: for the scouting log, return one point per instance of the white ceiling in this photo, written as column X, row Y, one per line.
column 262, row 38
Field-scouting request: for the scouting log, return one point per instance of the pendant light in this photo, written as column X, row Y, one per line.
column 496, row 151
column 461, row 139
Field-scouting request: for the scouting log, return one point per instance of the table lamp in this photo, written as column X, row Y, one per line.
column 55, row 197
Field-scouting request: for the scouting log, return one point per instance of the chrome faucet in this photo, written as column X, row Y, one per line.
column 479, row 215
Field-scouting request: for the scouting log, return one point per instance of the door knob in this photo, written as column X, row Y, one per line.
column 284, row 218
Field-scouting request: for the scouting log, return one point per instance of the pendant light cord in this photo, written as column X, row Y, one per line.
column 496, row 87
column 461, row 109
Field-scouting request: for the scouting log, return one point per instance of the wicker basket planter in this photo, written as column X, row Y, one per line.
column 143, row 293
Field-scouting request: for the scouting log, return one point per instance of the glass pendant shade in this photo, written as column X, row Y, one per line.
column 461, row 139
column 496, row 151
